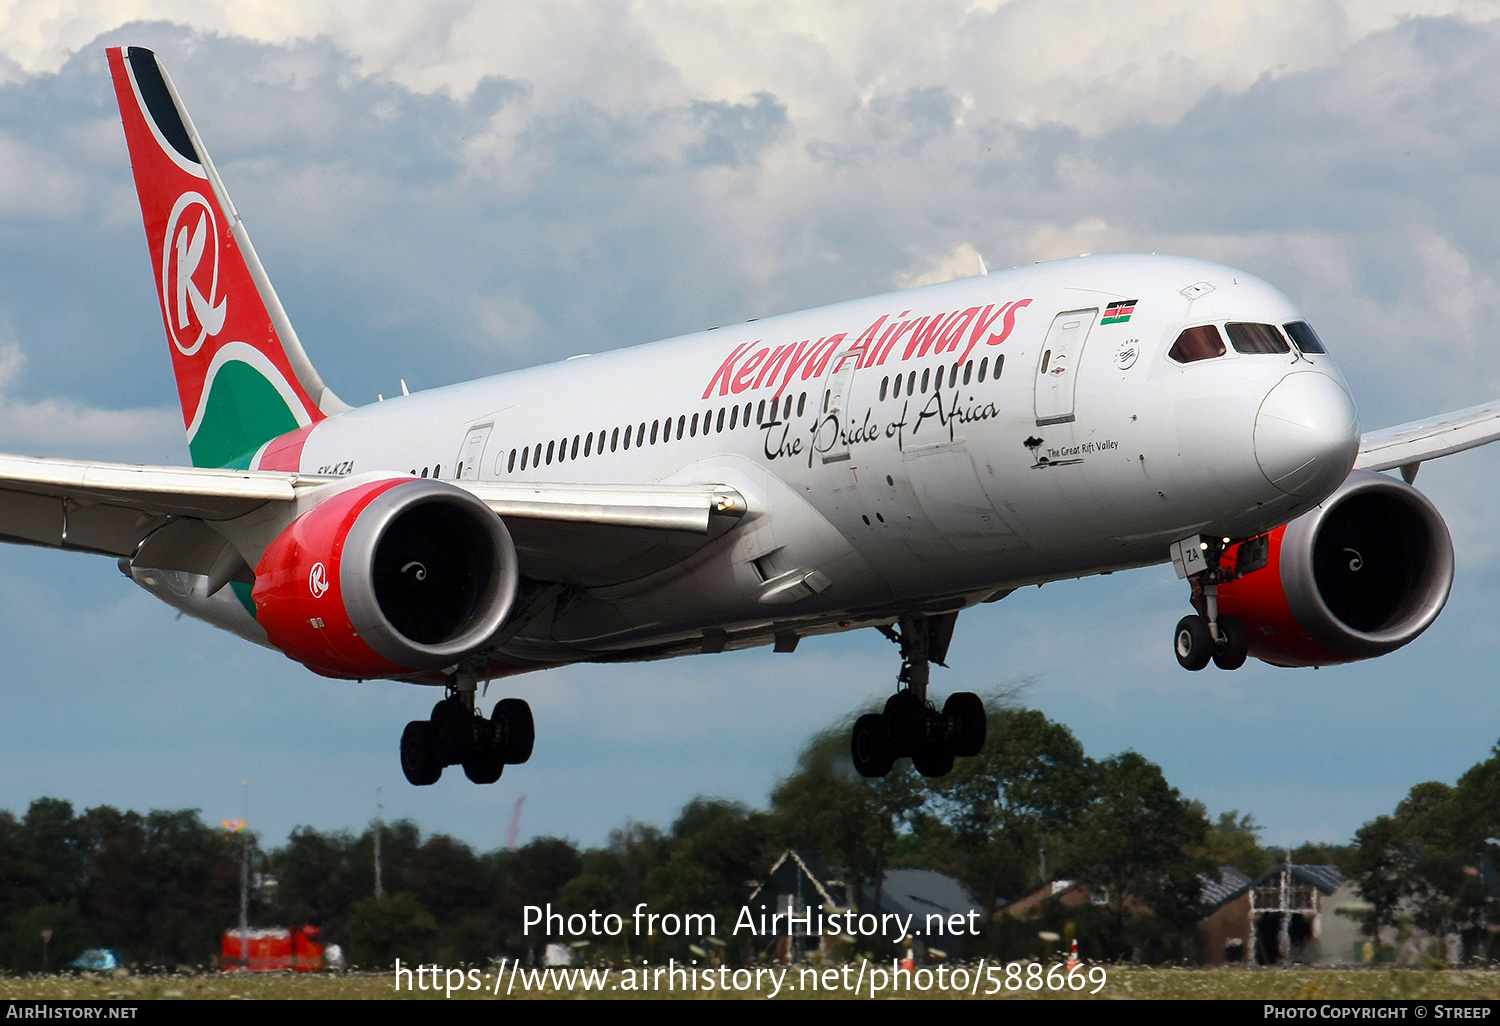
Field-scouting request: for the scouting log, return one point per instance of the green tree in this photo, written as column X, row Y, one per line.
column 56, row 851
column 533, row 874
column 1027, row 787
column 1380, row 867
column 1234, row 841
column 162, row 887
column 69, row 937
column 1476, row 815
column 1426, row 861
column 449, row 879
column 1143, row 841
column 852, row 822
column 315, row 883
column 718, row 847
column 381, row 930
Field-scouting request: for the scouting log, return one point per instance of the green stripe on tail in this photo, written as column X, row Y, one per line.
column 243, row 412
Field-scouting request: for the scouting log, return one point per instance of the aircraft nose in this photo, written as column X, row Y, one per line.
column 1307, row 434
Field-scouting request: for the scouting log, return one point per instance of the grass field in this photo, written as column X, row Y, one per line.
column 1122, row 982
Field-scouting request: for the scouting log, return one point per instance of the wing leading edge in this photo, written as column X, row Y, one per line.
column 1409, row 445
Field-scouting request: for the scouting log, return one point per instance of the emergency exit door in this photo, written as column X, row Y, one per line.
column 473, row 451
column 1057, row 367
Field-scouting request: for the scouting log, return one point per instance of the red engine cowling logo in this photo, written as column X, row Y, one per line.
column 1359, row 576
column 386, row 579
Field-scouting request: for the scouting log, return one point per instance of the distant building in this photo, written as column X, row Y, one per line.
column 799, row 881
column 1068, row 893
column 939, row 905
column 1292, row 914
column 1283, row 917
column 1224, row 936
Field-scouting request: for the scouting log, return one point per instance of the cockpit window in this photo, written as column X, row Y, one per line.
column 1256, row 338
column 1307, row 340
column 1201, row 343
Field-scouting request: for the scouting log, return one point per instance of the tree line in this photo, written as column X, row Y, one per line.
column 1434, row 864
column 160, row 887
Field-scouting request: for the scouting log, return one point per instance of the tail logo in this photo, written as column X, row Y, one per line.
column 190, row 274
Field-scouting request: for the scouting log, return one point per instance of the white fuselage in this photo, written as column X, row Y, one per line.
column 867, row 500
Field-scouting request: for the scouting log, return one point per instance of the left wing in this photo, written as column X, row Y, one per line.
column 110, row 508
column 162, row 517
column 1409, row 445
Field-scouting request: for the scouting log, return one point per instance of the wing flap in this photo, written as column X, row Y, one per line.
column 30, row 519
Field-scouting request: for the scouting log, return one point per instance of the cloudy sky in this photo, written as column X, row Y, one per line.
column 442, row 190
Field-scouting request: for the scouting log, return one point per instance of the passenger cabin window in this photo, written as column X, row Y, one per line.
column 1256, row 338
column 1307, row 340
column 1201, row 343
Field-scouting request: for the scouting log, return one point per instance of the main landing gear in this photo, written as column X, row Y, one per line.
column 456, row 734
column 911, row 727
column 1206, row 636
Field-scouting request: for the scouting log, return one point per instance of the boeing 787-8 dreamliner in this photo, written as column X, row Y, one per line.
column 881, row 463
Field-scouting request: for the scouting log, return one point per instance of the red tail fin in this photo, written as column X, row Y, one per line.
column 242, row 375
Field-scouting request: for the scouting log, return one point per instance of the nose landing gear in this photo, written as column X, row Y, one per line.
column 911, row 726
column 1206, row 636
column 456, row 734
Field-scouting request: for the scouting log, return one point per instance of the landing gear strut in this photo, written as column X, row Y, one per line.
column 1206, row 635
column 911, row 726
column 456, row 734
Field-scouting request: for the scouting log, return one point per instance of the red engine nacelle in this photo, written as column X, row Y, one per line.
column 387, row 578
column 1359, row 576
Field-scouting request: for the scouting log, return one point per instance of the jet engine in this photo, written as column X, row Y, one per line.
column 1359, row 576
column 387, row 578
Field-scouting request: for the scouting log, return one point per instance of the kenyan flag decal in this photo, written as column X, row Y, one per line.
column 1118, row 312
